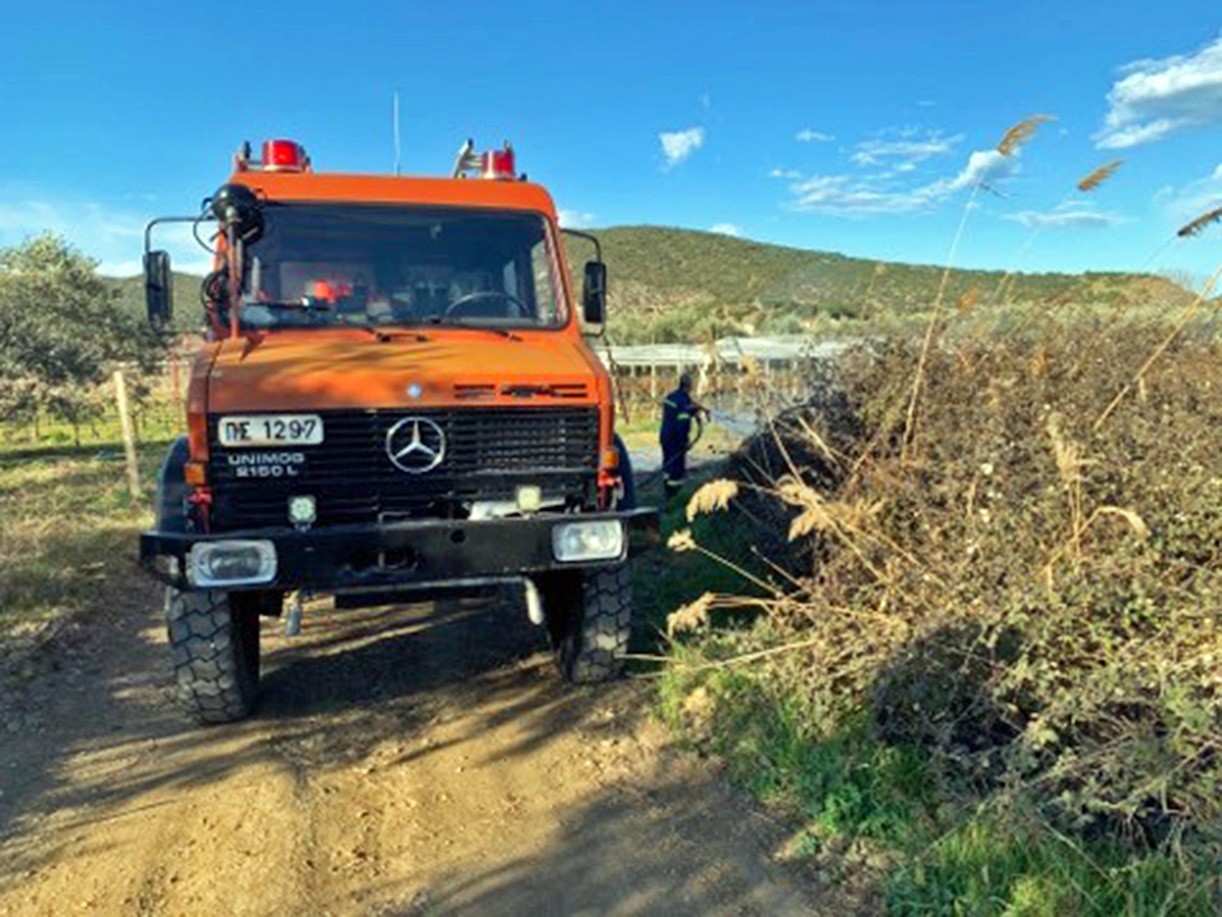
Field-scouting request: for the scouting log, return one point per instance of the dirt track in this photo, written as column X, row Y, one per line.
column 404, row 761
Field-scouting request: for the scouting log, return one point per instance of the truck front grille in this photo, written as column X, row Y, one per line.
column 488, row 453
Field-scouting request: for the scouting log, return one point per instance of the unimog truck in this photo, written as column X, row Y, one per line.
column 394, row 395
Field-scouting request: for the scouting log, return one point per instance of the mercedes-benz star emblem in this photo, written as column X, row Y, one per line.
column 416, row 445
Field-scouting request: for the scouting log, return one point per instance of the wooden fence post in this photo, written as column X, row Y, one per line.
column 129, row 438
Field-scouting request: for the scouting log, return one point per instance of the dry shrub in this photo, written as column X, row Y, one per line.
column 1032, row 597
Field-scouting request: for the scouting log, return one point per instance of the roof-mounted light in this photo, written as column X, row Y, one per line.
column 278, row 156
column 498, row 165
column 284, row 156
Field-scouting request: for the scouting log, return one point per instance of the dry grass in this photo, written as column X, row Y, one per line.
column 1030, row 596
column 1196, row 226
column 67, row 534
column 1099, row 175
column 710, row 497
column 1014, row 138
column 1018, row 135
column 967, row 301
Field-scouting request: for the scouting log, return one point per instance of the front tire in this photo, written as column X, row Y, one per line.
column 590, row 618
column 214, row 639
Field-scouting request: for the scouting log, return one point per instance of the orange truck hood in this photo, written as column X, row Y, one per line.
column 326, row 370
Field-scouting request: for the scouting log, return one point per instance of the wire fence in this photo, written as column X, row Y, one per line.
column 157, row 406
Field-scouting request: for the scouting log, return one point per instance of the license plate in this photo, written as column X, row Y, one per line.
column 270, row 430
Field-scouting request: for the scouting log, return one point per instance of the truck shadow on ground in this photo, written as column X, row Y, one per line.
column 422, row 759
column 95, row 731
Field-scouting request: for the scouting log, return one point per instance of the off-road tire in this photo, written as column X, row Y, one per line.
column 215, row 644
column 594, row 625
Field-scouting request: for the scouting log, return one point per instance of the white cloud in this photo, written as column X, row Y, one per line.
column 906, row 149
column 1137, row 134
column 1157, row 97
column 808, row 135
column 679, row 145
column 574, row 219
column 1071, row 215
column 726, row 229
column 845, row 195
column 986, row 167
column 790, row 174
column 113, row 236
column 1193, row 198
column 863, row 195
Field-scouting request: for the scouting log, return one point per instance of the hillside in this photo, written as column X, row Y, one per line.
column 682, row 285
column 186, row 299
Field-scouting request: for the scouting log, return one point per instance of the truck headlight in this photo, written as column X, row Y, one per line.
column 231, row 563
column 594, row 539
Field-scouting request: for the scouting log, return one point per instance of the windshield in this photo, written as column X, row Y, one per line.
column 323, row 265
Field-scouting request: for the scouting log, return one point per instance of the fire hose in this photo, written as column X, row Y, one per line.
column 697, row 428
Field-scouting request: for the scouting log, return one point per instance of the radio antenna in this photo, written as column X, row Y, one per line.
column 398, row 145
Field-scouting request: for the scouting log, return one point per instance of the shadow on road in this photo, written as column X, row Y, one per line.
column 403, row 760
column 96, row 727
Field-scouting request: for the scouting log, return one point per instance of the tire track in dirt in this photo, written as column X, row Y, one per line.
column 404, row 760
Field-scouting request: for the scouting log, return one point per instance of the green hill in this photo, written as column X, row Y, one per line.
column 681, row 285
column 678, row 284
column 187, row 309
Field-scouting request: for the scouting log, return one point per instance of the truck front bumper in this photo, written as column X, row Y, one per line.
column 395, row 555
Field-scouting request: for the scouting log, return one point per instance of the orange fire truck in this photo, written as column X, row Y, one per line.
column 394, row 395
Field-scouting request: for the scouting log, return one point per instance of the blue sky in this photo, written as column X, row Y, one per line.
column 857, row 127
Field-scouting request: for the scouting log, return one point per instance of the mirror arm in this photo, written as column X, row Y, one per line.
column 148, row 230
column 598, row 249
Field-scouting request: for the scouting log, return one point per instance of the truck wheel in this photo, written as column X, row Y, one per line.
column 594, row 622
column 215, row 643
column 172, row 489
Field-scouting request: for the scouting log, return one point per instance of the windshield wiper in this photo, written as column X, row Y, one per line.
column 384, row 335
column 502, row 332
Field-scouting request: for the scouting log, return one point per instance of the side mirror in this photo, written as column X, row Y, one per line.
column 158, row 289
column 594, row 293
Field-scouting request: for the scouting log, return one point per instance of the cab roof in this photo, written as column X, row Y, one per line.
column 392, row 189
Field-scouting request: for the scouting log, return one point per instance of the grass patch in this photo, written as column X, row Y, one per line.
column 67, row 530
column 154, row 425
column 929, row 852
column 843, row 786
column 663, row 581
column 1022, row 867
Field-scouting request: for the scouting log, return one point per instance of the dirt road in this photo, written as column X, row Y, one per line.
column 404, row 761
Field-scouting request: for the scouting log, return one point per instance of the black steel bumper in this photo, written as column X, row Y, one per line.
column 398, row 554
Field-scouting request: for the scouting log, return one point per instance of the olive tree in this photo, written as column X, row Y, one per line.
column 61, row 331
